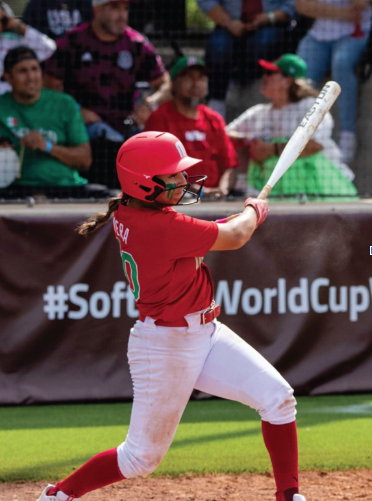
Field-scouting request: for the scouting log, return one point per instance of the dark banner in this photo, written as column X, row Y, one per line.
column 300, row 293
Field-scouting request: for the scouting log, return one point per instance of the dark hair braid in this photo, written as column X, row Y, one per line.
column 99, row 219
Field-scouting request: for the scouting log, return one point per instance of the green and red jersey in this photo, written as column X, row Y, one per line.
column 161, row 252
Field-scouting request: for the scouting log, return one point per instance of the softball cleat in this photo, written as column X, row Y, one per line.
column 298, row 497
column 60, row 496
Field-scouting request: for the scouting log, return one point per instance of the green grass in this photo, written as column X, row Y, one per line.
column 48, row 442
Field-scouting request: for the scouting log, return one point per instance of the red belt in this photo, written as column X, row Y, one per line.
column 205, row 317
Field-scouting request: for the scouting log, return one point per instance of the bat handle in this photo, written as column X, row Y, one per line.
column 265, row 192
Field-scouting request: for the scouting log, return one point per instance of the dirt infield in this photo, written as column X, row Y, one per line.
column 317, row 486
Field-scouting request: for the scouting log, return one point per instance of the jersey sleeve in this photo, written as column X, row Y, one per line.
column 152, row 66
column 189, row 237
column 40, row 43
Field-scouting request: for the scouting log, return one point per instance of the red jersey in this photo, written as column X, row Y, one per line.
column 203, row 138
column 162, row 254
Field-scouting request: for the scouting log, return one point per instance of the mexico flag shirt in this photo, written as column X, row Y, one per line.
column 162, row 253
column 57, row 118
column 101, row 76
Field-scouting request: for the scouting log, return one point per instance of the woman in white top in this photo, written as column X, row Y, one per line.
column 319, row 171
column 335, row 43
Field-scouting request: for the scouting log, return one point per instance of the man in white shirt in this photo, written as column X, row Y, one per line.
column 14, row 33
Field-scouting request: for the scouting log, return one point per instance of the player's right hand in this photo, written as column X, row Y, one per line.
column 261, row 208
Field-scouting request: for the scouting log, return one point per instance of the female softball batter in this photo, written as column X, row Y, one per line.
column 177, row 344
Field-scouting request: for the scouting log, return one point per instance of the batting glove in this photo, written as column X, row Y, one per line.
column 261, row 208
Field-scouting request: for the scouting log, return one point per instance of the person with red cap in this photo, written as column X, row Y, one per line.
column 177, row 344
column 319, row 171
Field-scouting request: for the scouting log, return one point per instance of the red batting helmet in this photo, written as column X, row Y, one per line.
column 146, row 155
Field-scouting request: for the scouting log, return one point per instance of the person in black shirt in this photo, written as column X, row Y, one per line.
column 55, row 17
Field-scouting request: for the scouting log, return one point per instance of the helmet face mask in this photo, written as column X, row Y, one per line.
column 192, row 197
column 148, row 155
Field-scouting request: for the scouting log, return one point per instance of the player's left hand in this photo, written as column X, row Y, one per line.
column 34, row 140
column 260, row 20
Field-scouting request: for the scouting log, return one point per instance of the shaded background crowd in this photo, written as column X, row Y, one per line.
column 78, row 77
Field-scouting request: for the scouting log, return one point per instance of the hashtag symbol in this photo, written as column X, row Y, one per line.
column 55, row 299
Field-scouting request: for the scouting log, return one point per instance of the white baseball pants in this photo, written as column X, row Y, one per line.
column 167, row 363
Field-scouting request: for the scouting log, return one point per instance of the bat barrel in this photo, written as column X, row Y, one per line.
column 304, row 131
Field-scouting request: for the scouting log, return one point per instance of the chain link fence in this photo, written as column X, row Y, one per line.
column 79, row 78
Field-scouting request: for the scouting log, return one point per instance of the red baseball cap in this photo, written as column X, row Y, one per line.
column 290, row 65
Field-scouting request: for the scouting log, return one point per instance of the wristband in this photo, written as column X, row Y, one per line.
column 49, row 146
column 261, row 208
column 271, row 16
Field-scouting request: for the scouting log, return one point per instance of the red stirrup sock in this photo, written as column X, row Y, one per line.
column 281, row 442
column 99, row 471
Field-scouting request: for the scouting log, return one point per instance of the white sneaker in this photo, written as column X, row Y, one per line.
column 60, row 496
column 298, row 497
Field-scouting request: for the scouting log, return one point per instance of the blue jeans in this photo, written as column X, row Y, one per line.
column 226, row 54
column 340, row 57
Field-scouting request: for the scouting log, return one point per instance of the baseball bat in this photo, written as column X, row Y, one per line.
column 302, row 134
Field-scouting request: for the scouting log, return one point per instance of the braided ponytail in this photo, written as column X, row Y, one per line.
column 99, row 219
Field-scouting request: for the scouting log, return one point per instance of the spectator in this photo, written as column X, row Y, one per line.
column 319, row 170
column 45, row 128
column 336, row 43
column 246, row 30
column 14, row 33
column 99, row 64
column 54, row 17
column 201, row 130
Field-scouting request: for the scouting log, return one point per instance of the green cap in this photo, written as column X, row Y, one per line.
column 185, row 62
column 288, row 64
